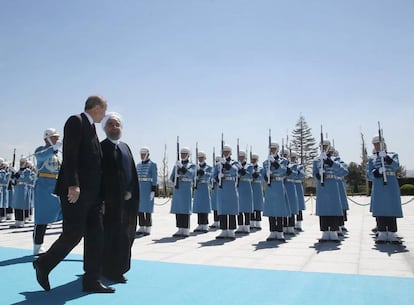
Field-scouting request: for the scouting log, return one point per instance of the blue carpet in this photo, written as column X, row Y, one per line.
column 184, row 284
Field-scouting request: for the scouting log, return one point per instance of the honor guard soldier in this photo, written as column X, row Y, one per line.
column 257, row 178
column 328, row 201
column 276, row 206
column 228, row 197
column 148, row 181
column 342, row 191
column 183, row 174
column 298, row 178
column 214, row 191
column 202, row 202
column 21, row 198
column 290, row 185
column 245, row 194
column 4, row 193
column 47, row 206
column 385, row 193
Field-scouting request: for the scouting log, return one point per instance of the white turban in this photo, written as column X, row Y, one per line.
column 111, row 115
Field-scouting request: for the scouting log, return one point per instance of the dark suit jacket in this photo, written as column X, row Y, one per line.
column 114, row 180
column 82, row 157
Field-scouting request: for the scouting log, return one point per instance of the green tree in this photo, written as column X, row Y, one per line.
column 355, row 177
column 304, row 144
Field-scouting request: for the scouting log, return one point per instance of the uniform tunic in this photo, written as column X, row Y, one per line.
column 182, row 196
column 22, row 193
column 147, row 180
column 299, row 187
column 47, row 206
column 245, row 189
column 291, row 189
column 202, row 201
column 275, row 200
column 4, row 193
column 328, row 200
column 227, row 194
column 257, row 188
column 385, row 199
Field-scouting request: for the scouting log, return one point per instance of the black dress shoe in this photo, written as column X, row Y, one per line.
column 97, row 287
column 116, row 278
column 42, row 276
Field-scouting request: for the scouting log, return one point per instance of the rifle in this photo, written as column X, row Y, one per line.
column 270, row 152
column 176, row 167
column 14, row 158
column 220, row 164
column 381, row 141
column 321, row 160
column 196, row 168
column 214, row 163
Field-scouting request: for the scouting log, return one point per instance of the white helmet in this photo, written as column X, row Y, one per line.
column 376, row 139
column 326, row 143
column 144, row 150
column 242, row 153
column 50, row 132
column 255, row 156
column 293, row 154
column 274, row 145
column 201, row 154
column 1, row 161
column 227, row 148
column 185, row 150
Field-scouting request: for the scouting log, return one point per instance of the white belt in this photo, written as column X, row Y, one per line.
column 202, row 181
column 246, row 179
column 291, row 180
column 144, row 179
column 277, row 178
column 185, row 179
column 329, row 176
column 229, row 178
column 256, row 181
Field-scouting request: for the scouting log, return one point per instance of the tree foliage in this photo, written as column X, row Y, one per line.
column 304, row 144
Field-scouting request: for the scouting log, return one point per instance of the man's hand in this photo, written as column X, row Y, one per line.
column 73, row 194
column 127, row 196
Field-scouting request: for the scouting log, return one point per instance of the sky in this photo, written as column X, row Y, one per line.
column 199, row 68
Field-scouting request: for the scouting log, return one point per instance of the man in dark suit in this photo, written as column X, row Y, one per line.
column 121, row 196
column 78, row 187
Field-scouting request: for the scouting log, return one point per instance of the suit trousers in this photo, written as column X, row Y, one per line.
column 80, row 219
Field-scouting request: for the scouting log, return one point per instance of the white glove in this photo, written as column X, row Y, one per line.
column 382, row 154
column 220, row 175
column 152, row 194
column 381, row 170
column 271, row 158
column 321, row 171
column 323, row 155
column 57, row 145
column 178, row 164
column 127, row 195
column 223, row 160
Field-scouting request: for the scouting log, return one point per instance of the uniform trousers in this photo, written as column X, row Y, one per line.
column 276, row 224
column 182, row 221
column 243, row 218
column 202, row 218
column 386, row 224
column 144, row 219
column 256, row 215
column 299, row 216
column 227, row 222
column 329, row 223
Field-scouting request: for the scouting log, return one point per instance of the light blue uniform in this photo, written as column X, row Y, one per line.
column 245, row 188
column 202, row 201
column 214, row 189
column 22, row 190
column 385, row 199
column 227, row 194
column 4, row 193
column 300, row 175
column 147, row 180
column 328, row 200
column 47, row 206
column 275, row 200
column 257, row 188
column 290, row 185
column 182, row 196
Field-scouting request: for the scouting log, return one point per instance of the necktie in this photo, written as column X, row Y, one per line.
column 94, row 130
